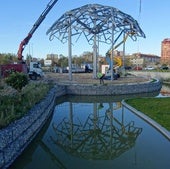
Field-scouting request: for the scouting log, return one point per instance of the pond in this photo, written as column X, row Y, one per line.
column 95, row 132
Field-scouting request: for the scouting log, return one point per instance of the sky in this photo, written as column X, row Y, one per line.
column 18, row 16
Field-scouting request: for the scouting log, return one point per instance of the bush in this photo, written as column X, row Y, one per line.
column 16, row 106
column 17, row 80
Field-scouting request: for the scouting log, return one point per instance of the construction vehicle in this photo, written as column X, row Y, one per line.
column 34, row 69
column 116, row 60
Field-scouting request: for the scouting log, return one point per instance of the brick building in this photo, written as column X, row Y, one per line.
column 144, row 59
column 149, row 58
column 165, row 51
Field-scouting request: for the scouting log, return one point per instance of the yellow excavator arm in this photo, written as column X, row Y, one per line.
column 123, row 41
column 118, row 60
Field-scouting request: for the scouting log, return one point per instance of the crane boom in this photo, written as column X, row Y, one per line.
column 25, row 41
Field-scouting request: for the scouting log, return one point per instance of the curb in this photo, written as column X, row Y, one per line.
column 153, row 123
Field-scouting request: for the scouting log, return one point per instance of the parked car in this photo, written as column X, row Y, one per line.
column 164, row 68
column 137, row 68
column 128, row 67
column 149, row 68
column 64, row 70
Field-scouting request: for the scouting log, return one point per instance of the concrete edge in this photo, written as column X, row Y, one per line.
column 116, row 89
column 153, row 123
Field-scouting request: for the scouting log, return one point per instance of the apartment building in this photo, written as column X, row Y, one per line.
column 165, row 51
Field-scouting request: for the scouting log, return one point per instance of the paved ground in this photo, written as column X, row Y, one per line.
column 87, row 78
column 165, row 76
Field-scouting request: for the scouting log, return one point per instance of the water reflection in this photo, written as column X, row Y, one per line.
column 95, row 132
column 98, row 136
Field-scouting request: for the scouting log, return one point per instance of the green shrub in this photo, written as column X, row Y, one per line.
column 17, row 80
column 15, row 106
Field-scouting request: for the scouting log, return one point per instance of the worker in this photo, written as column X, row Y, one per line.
column 101, row 77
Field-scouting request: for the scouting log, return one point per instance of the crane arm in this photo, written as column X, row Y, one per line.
column 34, row 28
column 108, row 54
column 120, row 43
column 123, row 41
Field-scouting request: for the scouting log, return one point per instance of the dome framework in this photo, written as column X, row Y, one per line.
column 97, row 23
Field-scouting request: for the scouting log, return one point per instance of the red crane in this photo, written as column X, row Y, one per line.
column 34, row 28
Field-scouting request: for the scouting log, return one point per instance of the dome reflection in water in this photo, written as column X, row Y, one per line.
column 88, row 132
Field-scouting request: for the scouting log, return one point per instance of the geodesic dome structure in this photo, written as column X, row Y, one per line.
column 96, row 22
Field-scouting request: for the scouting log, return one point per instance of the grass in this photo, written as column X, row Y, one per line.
column 17, row 105
column 156, row 108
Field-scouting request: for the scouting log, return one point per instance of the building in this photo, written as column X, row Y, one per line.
column 149, row 58
column 144, row 59
column 165, row 51
column 53, row 57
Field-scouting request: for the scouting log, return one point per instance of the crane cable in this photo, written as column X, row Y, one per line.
column 139, row 21
column 140, row 9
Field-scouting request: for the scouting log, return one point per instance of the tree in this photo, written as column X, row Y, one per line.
column 7, row 58
column 87, row 56
column 77, row 60
column 63, row 61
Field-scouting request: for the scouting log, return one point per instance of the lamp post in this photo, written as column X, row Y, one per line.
column 69, row 51
column 112, row 52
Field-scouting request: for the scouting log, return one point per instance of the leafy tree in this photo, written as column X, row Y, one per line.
column 87, row 56
column 77, row 60
column 7, row 58
column 63, row 61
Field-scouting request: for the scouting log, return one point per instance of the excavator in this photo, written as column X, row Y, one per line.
column 34, row 68
column 116, row 60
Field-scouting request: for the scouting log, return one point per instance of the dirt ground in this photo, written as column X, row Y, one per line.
column 87, row 78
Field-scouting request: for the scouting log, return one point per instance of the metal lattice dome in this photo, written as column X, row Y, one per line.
column 93, row 19
column 97, row 23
